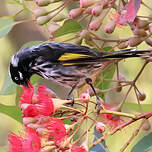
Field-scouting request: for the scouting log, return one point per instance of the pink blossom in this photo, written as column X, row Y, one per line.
column 110, row 119
column 35, row 105
column 28, row 143
column 27, row 94
column 78, row 149
column 45, row 103
column 116, row 18
column 57, row 130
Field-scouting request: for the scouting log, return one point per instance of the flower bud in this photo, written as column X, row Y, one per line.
column 123, row 45
column 88, row 10
column 97, row 9
column 59, row 17
column 141, row 96
column 149, row 42
column 150, row 29
column 95, row 24
column 119, row 87
column 75, row 12
column 146, row 126
column 140, row 32
column 85, row 34
column 86, row 3
column 40, row 12
column 134, row 41
column 110, row 27
column 43, row 20
column 141, row 23
column 85, row 97
column 100, row 127
column 45, row 2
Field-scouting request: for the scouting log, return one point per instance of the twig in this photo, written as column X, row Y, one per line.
column 133, row 135
column 138, row 117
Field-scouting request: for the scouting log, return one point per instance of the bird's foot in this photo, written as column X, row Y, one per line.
column 98, row 105
column 72, row 99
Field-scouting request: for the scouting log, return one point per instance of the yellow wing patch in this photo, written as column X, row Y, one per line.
column 72, row 56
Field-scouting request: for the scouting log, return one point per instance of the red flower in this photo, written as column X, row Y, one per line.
column 45, row 103
column 27, row 95
column 57, row 130
column 110, row 119
column 32, row 142
column 15, row 143
column 78, row 149
column 36, row 105
column 29, row 143
column 30, row 111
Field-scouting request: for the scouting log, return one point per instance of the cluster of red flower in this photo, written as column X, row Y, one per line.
column 43, row 132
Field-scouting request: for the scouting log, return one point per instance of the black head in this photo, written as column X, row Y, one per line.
column 19, row 71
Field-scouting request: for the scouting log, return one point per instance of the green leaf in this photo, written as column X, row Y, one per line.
column 108, row 48
column 14, row 2
column 6, row 24
column 12, row 111
column 135, row 107
column 69, row 26
column 32, row 43
column 144, row 144
column 18, row 92
column 34, row 79
column 9, row 87
column 107, row 74
column 149, row 149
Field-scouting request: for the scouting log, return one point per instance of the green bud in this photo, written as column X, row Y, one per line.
column 45, row 2
column 43, row 20
column 40, row 12
column 123, row 45
column 134, row 41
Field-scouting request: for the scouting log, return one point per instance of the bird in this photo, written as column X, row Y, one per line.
column 64, row 63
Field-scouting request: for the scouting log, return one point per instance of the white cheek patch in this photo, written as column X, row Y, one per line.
column 14, row 61
column 21, row 75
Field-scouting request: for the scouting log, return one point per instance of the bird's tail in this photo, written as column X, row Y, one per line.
column 127, row 53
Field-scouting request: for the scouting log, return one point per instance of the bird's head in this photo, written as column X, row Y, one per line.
column 19, row 72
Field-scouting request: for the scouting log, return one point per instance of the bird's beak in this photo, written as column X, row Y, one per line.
column 26, row 84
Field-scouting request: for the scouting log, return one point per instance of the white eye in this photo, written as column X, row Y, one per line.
column 16, row 78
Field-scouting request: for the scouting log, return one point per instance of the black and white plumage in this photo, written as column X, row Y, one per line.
column 64, row 63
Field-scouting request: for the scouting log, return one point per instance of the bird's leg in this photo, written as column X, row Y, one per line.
column 89, row 82
column 69, row 94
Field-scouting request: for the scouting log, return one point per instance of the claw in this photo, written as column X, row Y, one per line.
column 98, row 105
column 72, row 99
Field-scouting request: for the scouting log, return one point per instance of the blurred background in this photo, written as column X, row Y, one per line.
column 26, row 32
